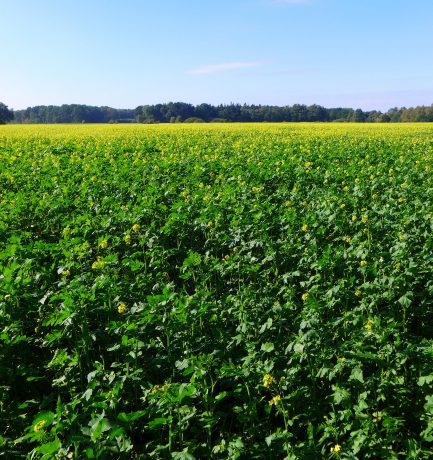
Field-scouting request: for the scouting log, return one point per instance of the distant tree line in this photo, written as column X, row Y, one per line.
column 73, row 113
column 5, row 114
column 181, row 112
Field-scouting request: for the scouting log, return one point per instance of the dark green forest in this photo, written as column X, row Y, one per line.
column 181, row 112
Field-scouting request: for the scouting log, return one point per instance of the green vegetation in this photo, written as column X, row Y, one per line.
column 179, row 112
column 5, row 114
column 216, row 291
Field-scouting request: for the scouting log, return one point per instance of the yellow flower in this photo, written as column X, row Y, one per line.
column 275, row 400
column 268, row 380
column 103, row 244
column 122, row 308
column 358, row 293
column 304, row 227
column 155, row 389
column 160, row 388
column 98, row 264
column 136, row 227
column 354, row 218
column 66, row 273
column 363, row 263
column 364, row 218
column 369, row 325
column 39, row 425
column 127, row 239
column 336, row 448
column 305, row 296
column 341, row 360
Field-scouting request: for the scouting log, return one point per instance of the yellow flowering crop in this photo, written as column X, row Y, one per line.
column 122, row 308
column 275, row 400
column 38, row 427
column 336, row 448
column 369, row 325
column 268, row 380
column 160, row 388
column 98, row 264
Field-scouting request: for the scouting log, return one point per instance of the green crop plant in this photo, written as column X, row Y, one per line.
column 216, row 291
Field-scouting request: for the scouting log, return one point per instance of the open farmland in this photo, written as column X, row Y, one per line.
column 216, row 291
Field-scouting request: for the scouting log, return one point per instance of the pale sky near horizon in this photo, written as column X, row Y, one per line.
column 371, row 54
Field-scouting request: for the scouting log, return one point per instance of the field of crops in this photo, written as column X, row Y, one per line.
column 216, row 291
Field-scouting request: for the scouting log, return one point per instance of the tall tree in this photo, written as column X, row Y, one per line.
column 5, row 114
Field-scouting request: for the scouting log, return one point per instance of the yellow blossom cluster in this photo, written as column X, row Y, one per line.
column 122, row 308
column 369, row 326
column 275, row 400
column 335, row 449
column 268, row 380
column 38, row 427
column 160, row 388
column 98, row 264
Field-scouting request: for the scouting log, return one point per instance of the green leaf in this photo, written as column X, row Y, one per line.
column 340, row 394
column 132, row 416
column 357, row 374
column 157, row 422
column 90, row 453
column 193, row 259
column 267, row 347
column 49, row 449
column 425, row 379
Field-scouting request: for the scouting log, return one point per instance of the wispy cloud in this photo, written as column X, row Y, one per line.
column 214, row 68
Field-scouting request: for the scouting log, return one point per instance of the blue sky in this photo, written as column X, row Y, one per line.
column 124, row 53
